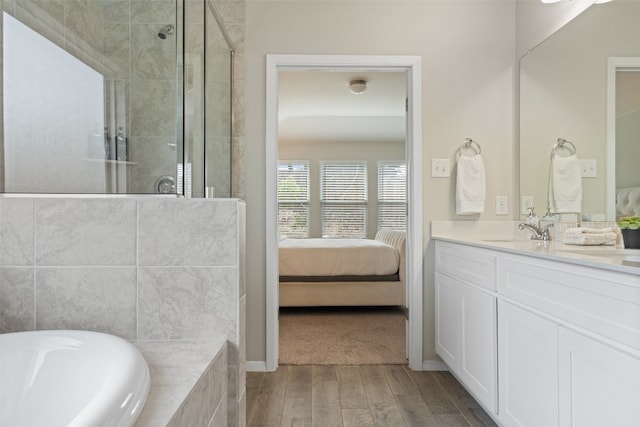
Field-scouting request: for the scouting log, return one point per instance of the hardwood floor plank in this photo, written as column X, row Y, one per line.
column 451, row 420
column 387, row 415
column 323, row 416
column 299, row 381
column 375, row 384
column 432, row 392
column 253, row 385
column 399, row 381
column 324, row 387
column 266, row 410
column 357, row 418
column 296, row 412
column 274, row 382
column 350, row 388
column 470, row 409
column 373, row 395
column 415, row 412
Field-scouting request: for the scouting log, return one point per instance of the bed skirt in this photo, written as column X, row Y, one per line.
column 339, row 294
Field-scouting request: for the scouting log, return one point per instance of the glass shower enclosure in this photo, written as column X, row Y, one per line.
column 115, row 97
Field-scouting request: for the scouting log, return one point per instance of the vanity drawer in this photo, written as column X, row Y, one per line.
column 471, row 265
column 603, row 302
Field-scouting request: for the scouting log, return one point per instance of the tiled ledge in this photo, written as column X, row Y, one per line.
column 188, row 383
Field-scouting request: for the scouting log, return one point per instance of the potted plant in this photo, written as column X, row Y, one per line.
column 630, row 227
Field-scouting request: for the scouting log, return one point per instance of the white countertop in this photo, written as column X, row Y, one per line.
column 505, row 236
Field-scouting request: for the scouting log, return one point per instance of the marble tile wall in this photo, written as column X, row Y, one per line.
column 141, row 268
column 140, row 81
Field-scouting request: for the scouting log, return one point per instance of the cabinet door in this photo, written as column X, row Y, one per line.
column 599, row 385
column 448, row 320
column 466, row 336
column 527, row 369
column 478, row 347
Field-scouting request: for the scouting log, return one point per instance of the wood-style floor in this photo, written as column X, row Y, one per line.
column 359, row 396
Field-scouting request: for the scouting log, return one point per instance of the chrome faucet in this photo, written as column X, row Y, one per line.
column 538, row 233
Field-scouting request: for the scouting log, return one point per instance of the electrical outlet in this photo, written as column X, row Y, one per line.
column 589, row 168
column 440, row 168
column 502, row 205
column 527, row 202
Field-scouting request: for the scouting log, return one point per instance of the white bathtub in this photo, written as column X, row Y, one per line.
column 70, row 378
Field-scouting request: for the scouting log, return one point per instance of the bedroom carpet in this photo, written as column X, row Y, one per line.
column 342, row 336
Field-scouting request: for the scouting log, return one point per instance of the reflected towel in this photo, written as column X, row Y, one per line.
column 470, row 185
column 565, row 184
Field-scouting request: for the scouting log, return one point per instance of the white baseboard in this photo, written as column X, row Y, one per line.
column 434, row 365
column 255, row 366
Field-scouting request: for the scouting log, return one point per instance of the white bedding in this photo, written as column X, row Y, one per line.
column 337, row 257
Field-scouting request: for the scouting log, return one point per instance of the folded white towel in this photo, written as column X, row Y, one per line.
column 565, row 184
column 589, row 230
column 470, row 185
column 590, row 239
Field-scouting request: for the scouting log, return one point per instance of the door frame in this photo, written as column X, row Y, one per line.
column 412, row 65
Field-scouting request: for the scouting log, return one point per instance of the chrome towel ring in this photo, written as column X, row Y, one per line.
column 469, row 143
column 563, row 143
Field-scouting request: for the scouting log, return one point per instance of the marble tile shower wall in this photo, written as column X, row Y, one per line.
column 140, row 83
column 143, row 269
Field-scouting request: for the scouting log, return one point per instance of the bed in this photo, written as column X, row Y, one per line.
column 343, row 272
column 628, row 201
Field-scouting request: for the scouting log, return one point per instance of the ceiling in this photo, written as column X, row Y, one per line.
column 317, row 106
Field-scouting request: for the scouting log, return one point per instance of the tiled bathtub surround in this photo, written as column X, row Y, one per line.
column 145, row 269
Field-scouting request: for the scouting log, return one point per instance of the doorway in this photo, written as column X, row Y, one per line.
column 412, row 67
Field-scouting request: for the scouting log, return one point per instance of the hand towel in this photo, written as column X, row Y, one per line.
column 587, row 236
column 565, row 184
column 470, row 185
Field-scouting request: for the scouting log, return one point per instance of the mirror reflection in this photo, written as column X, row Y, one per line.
column 563, row 94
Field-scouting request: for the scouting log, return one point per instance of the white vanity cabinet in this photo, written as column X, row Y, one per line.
column 599, row 384
column 466, row 318
column 567, row 336
column 528, row 368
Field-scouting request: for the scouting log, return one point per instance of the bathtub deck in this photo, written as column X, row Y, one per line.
column 188, row 382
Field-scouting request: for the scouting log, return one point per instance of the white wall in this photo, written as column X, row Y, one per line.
column 536, row 21
column 467, row 49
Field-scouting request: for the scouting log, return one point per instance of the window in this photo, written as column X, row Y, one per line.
column 343, row 199
column 392, row 195
column 293, row 198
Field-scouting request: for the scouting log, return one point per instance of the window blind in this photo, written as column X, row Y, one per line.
column 343, row 199
column 392, row 195
column 293, row 199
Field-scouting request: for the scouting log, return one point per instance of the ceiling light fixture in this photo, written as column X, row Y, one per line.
column 358, row 86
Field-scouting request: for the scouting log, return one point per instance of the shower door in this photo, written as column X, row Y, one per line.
column 94, row 99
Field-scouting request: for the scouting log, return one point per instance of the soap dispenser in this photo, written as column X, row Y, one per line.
column 532, row 218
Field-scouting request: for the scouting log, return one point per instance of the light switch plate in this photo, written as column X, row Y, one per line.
column 440, row 168
column 502, row 205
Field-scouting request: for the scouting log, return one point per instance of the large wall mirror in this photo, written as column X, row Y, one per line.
column 564, row 94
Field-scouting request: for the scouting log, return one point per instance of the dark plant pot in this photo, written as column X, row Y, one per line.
column 631, row 238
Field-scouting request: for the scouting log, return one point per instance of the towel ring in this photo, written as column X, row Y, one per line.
column 469, row 143
column 563, row 143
